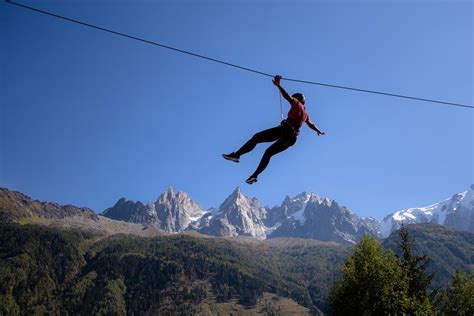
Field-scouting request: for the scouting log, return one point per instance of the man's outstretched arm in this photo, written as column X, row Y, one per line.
column 276, row 82
column 314, row 127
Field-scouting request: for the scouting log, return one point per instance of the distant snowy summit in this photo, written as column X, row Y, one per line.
column 309, row 216
column 457, row 212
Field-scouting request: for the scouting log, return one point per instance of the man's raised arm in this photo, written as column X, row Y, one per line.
column 276, row 82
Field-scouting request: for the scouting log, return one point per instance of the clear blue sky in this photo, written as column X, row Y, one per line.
column 87, row 117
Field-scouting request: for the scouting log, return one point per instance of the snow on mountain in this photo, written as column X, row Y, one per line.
column 457, row 212
column 290, row 208
column 172, row 212
column 238, row 215
column 176, row 210
column 305, row 216
column 309, row 216
column 302, row 200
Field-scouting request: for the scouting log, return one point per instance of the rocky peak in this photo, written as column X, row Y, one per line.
column 460, row 212
column 124, row 202
column 291, row 207
column 130, row 211
column 236, row 197
column 309, row 216
column 171, row 197
column 237, row 215
column 173, row 211
column 239, row 203
column 167, row 196
column 176, row 210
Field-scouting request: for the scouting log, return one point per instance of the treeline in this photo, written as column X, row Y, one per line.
column 376, row 281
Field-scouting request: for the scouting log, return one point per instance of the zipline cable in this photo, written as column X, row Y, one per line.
column 231, row 64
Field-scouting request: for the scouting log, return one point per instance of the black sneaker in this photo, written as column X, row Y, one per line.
column 251, row 180
column 232, row 157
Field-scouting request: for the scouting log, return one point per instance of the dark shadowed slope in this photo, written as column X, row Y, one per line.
column 449, row 249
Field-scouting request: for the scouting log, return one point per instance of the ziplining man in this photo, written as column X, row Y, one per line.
column 283, row 136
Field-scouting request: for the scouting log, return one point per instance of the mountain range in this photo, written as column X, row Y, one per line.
column 306, row 216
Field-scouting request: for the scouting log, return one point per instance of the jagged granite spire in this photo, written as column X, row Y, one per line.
column 176, row 210
column 172, row 211
column 238, row 215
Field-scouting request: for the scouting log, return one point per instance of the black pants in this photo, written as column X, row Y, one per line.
column 282, row 136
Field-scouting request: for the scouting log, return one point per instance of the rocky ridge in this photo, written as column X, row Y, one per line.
column 171, row 212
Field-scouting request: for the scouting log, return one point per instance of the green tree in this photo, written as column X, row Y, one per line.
column 8, row 305
column 458, row 299
column 112, row 302
column 372, row 283
column 414, row 272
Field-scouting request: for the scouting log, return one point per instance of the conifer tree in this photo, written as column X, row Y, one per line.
column 372, row 283
column 414, row 271
column 458, row 299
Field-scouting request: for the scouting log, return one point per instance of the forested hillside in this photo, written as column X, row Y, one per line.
column 46, row 270
column 448, row 249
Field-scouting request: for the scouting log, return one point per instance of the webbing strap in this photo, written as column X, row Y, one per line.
column 281, row 107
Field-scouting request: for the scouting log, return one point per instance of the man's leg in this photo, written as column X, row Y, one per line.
column 275, row 148
column 268, row 135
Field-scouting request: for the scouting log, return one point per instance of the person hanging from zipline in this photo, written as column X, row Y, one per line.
column 283, row 136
